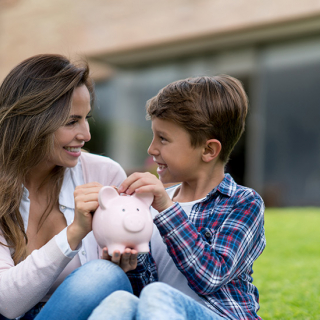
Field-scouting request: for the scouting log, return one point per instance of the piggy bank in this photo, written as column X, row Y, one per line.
column 123, row 221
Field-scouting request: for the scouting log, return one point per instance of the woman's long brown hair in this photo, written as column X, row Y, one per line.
column 35, row 100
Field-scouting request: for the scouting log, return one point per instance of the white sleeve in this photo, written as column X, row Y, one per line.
column 62, row 242
column 24, row 285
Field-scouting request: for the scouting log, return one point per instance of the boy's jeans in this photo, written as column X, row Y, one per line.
column 157, row 301
column 83, row 290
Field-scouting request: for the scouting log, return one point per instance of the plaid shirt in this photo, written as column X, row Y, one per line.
column 214, row 249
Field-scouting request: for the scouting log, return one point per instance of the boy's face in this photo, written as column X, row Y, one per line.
column 171, row 149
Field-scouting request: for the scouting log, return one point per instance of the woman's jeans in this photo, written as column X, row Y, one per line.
column 82, row 291
column 157, row 301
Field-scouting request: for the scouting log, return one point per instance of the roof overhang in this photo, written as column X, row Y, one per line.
column 209, row 42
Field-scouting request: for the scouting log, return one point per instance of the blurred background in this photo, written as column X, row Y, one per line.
column 136, row 47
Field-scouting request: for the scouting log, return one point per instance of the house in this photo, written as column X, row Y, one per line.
column 137, row 47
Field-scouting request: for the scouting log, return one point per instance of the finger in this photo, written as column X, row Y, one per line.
column 92, row 184
column 116, row 257
column 127, row 182
column 134, row 259
column 87, row 190
column 115, row 188
column 155, row 190
column 89, row 186
column 105, row 254
column 87, row 207
column 86, row 197
column 125, row 257
column 144, row 179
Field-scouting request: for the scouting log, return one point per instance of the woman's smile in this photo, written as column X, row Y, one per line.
column 73, row 151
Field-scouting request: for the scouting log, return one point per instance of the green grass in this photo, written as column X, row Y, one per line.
column 287, row 273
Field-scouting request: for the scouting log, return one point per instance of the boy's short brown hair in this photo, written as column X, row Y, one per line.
column 206, row 107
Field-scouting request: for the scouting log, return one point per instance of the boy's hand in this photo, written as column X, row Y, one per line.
column 127, row 261
column 140, row 182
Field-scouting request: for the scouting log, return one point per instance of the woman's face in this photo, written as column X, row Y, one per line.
column 70, row 138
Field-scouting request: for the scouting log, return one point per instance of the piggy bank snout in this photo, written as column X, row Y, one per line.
column 134, row 222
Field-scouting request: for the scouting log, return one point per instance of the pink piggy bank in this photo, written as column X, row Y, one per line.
column 123, row 221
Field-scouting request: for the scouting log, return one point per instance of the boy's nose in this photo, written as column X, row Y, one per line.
column 152, row 150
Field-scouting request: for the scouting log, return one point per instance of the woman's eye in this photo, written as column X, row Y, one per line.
column 89, row 116
column 71, row 123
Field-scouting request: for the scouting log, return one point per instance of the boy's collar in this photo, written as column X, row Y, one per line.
column 227, row 186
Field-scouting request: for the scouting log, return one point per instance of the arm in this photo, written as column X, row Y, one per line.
column 235, row 244
column 24, row 285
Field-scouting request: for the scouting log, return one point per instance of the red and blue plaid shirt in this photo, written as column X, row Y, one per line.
column 214, row 248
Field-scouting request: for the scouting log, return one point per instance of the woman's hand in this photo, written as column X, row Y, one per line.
column 140, row 182
column 86, row 202
column 127, row 261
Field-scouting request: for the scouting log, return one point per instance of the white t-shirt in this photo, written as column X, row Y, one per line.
column 167, row 270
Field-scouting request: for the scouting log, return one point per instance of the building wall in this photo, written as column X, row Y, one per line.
column 279, row 153
column 78, row 28
column 137, row 47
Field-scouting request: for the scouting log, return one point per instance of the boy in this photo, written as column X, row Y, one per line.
column 209, row 230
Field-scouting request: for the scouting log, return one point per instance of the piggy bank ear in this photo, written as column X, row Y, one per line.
column 146, row 198
column 105, row 195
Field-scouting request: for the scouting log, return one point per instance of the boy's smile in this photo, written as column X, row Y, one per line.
column 161, row 167
column 171, row 149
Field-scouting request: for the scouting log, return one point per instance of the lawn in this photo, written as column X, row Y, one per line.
column 287, row 273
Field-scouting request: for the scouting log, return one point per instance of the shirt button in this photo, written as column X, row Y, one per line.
column 62, row 207
column 207, row 234
column 83, row 253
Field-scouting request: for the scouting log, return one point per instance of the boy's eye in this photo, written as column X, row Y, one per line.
column 89, row 116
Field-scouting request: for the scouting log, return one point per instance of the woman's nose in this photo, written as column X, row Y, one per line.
column 84, row 132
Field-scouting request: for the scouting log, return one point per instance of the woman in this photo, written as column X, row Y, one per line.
column 45, row 103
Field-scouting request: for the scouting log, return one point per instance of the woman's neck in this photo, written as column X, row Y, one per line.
column 37, row 176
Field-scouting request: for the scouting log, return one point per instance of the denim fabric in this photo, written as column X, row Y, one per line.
column 119, row 305
column 81, row 292
column 157, row 301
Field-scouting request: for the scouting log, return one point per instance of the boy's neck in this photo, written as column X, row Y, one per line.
column 199, row 188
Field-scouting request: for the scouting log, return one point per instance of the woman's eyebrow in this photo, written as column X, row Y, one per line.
column 75, row 116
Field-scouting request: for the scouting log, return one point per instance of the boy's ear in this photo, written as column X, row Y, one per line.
column 211, row 150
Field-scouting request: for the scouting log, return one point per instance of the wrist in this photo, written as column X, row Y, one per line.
column 165, row 206
column 74, row 236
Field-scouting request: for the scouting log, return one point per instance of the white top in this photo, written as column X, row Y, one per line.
column 167, row 270
column 24, row 285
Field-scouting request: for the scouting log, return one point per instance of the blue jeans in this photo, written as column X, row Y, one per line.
column 157, row 301
column 82, row 291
